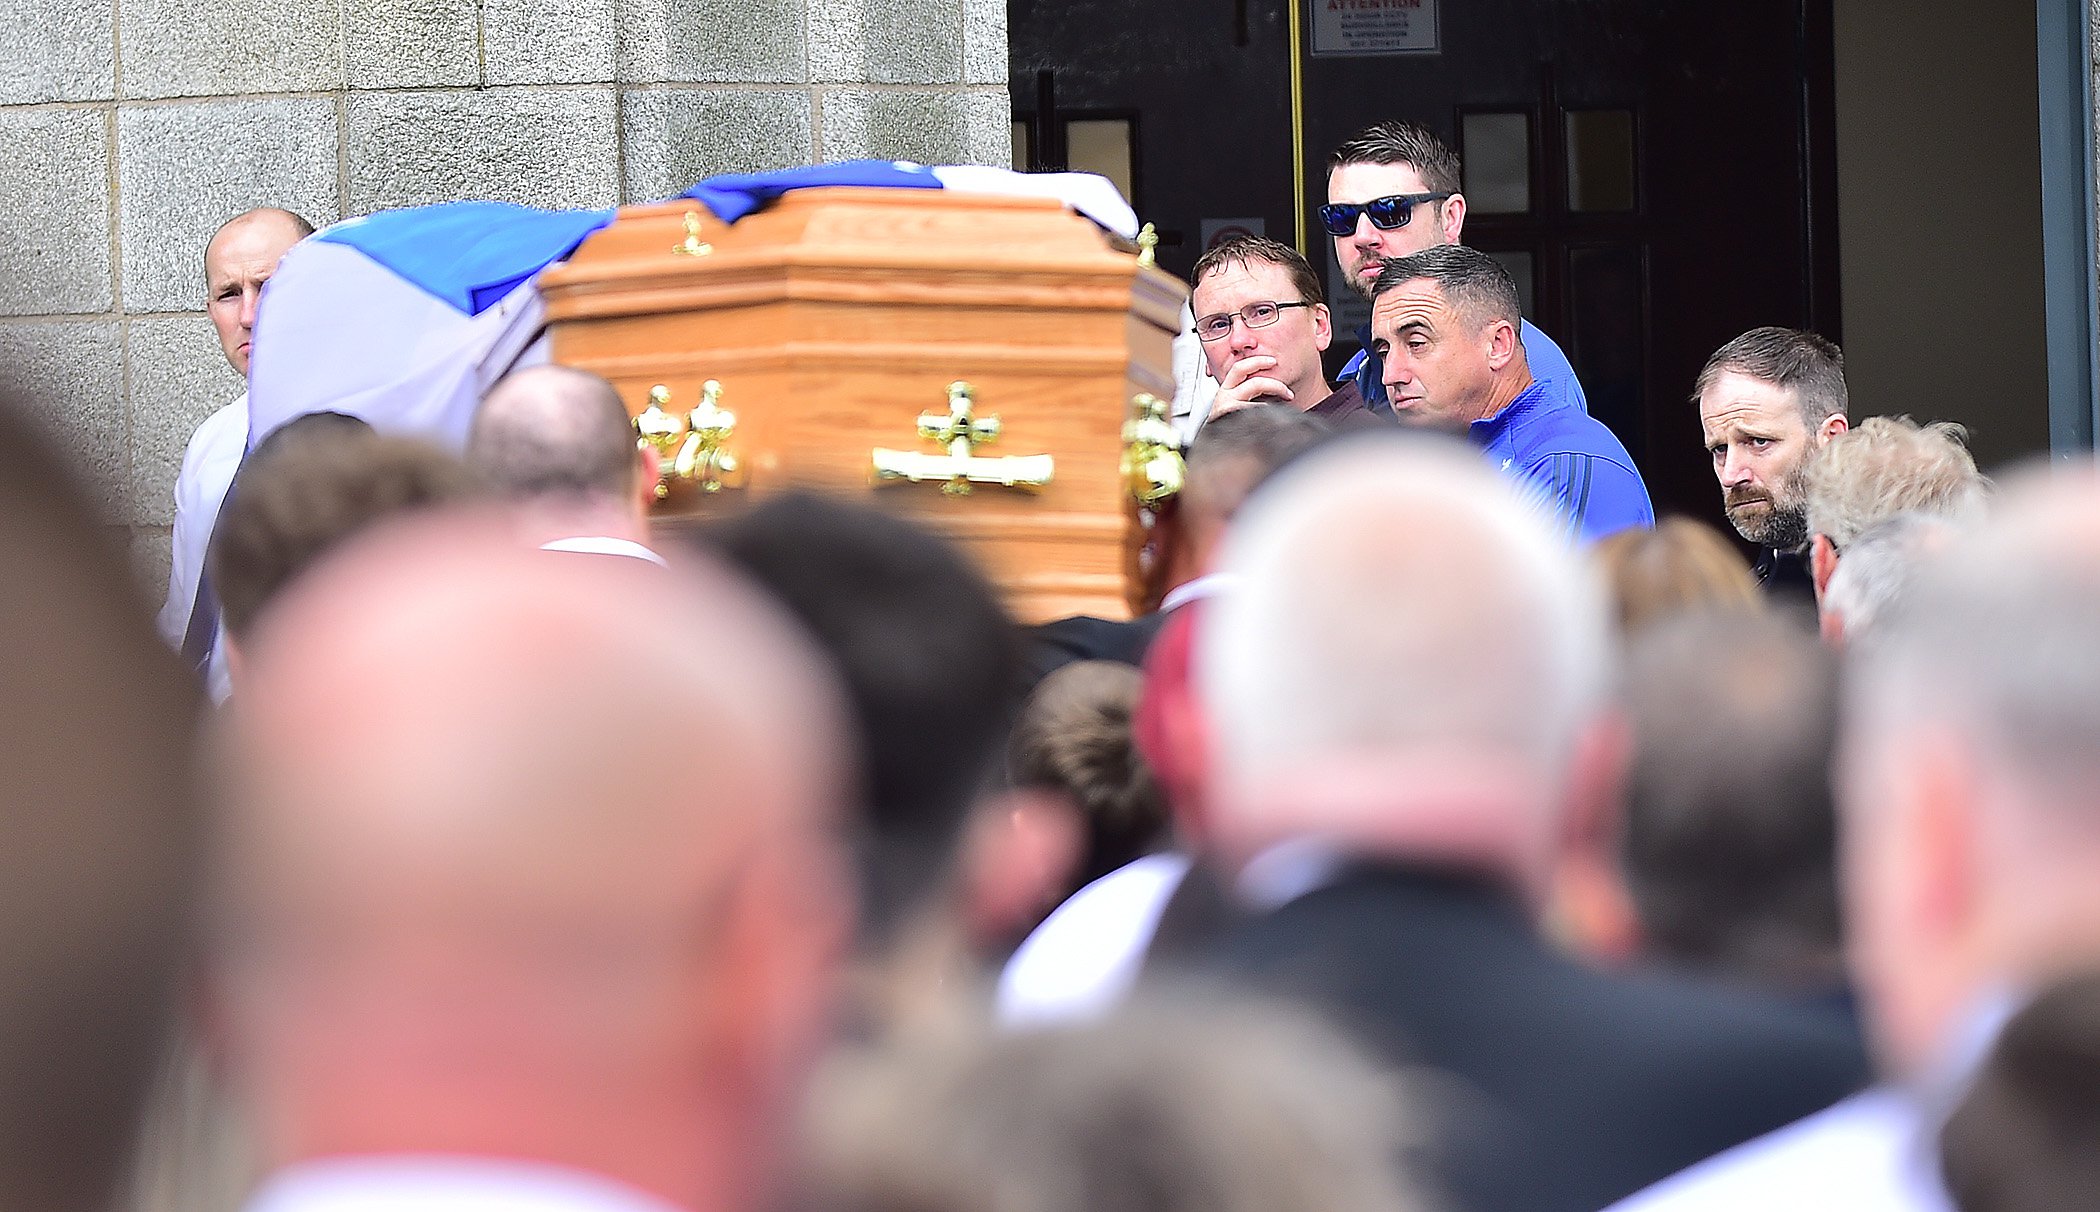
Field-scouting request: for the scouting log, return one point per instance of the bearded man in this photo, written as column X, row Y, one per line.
column 1769, row 400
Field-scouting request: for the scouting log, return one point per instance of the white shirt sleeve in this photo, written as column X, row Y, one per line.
column 208, row 463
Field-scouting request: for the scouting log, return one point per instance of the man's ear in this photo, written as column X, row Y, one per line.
column 1323, row 327
column 1019, row 854
column 647, row 468
column 1587, row 902
column 1453, row 218
column 1822, row 562
column 1832, row 426
column 1503, row 343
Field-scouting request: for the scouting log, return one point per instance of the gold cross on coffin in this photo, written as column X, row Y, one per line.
column 960, row 433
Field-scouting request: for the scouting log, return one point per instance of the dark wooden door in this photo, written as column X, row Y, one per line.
column 1660, row 175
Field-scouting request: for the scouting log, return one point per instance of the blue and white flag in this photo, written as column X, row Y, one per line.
column 406, row 318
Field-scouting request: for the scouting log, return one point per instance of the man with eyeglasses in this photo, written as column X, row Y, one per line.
column 1393, row 190
column 1263, row 322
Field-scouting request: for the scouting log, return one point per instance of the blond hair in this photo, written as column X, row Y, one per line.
column 1890, row 465
column 1679, row 567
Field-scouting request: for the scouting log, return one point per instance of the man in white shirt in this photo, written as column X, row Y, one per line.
column 473, row 949
column 1967, row 782
column 238, row 260
column 558, row 441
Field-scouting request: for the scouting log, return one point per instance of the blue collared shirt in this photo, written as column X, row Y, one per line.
column 1544, row 357
column 1544, row 437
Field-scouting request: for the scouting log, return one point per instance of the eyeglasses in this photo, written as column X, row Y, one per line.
column 1387, row 213
column 1253, row 315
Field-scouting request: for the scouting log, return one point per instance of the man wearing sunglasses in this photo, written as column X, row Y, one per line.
column 1263, row 322
column 1393, row 190
column 1444, row 326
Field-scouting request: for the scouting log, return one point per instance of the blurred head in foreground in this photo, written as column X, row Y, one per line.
column 97, row 723
column 1407, row 628
column 1164, row 1106
column 476, row 895
column 311, row 486
column 1729, row 846
column 1676, row 567
column 931, row 665
column 1969, row 771
column 2022, row 1139
column 1877, row 572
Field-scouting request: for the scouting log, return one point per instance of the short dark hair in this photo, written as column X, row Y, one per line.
column 1476, row 284
column 311, row 486
column 1241, row 250
column 1074, row 736
column 1236, row 453
column 554, row 431
column 1730, row 841
column 2021, row 1139
column 1809, row 365
column 931, row 663
column 1397, row 142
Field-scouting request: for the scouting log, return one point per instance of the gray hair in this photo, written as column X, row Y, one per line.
column 1890, row 465
column 1234, row 454
column 1395, row 594
column 1809, row 365
column 1879, row 566
column 1997, row 640
column 1186, row 1101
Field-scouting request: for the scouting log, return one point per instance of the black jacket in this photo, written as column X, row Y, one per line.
column 1575, row 1087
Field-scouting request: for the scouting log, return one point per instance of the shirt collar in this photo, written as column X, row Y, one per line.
column 1286, row 871
column 1487, row 429
column 605, row 545
column 442, row 1183
column 1209, row 585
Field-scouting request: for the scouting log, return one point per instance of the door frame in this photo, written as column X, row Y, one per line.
column 2071, row 293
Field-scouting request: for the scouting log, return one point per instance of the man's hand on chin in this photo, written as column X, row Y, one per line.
column 1246, row 383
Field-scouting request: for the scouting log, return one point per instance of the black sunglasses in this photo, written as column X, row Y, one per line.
column 1387, row 213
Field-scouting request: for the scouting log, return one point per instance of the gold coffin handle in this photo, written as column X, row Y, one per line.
column 658, row 429
column 1031, row 473
column 693, row 448
column 1153, row 467
column 959, row 432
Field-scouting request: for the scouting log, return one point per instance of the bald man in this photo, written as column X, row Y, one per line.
column 237, row 261
column 474, row 952
column 559, row 441
column 1404, row 691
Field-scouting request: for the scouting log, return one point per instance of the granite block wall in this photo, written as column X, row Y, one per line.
column 129, row 131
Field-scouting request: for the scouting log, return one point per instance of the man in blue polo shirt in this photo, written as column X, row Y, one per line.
column 1392, row 190
column 1444, row 325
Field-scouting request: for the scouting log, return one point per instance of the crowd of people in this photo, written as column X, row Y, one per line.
column 1452, row 837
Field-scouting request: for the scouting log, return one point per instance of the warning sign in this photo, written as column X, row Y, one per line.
column 1374, row 27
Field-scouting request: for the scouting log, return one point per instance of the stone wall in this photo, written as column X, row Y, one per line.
column 129, row 129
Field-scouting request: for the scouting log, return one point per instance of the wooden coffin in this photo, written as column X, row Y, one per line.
column 836, row 320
